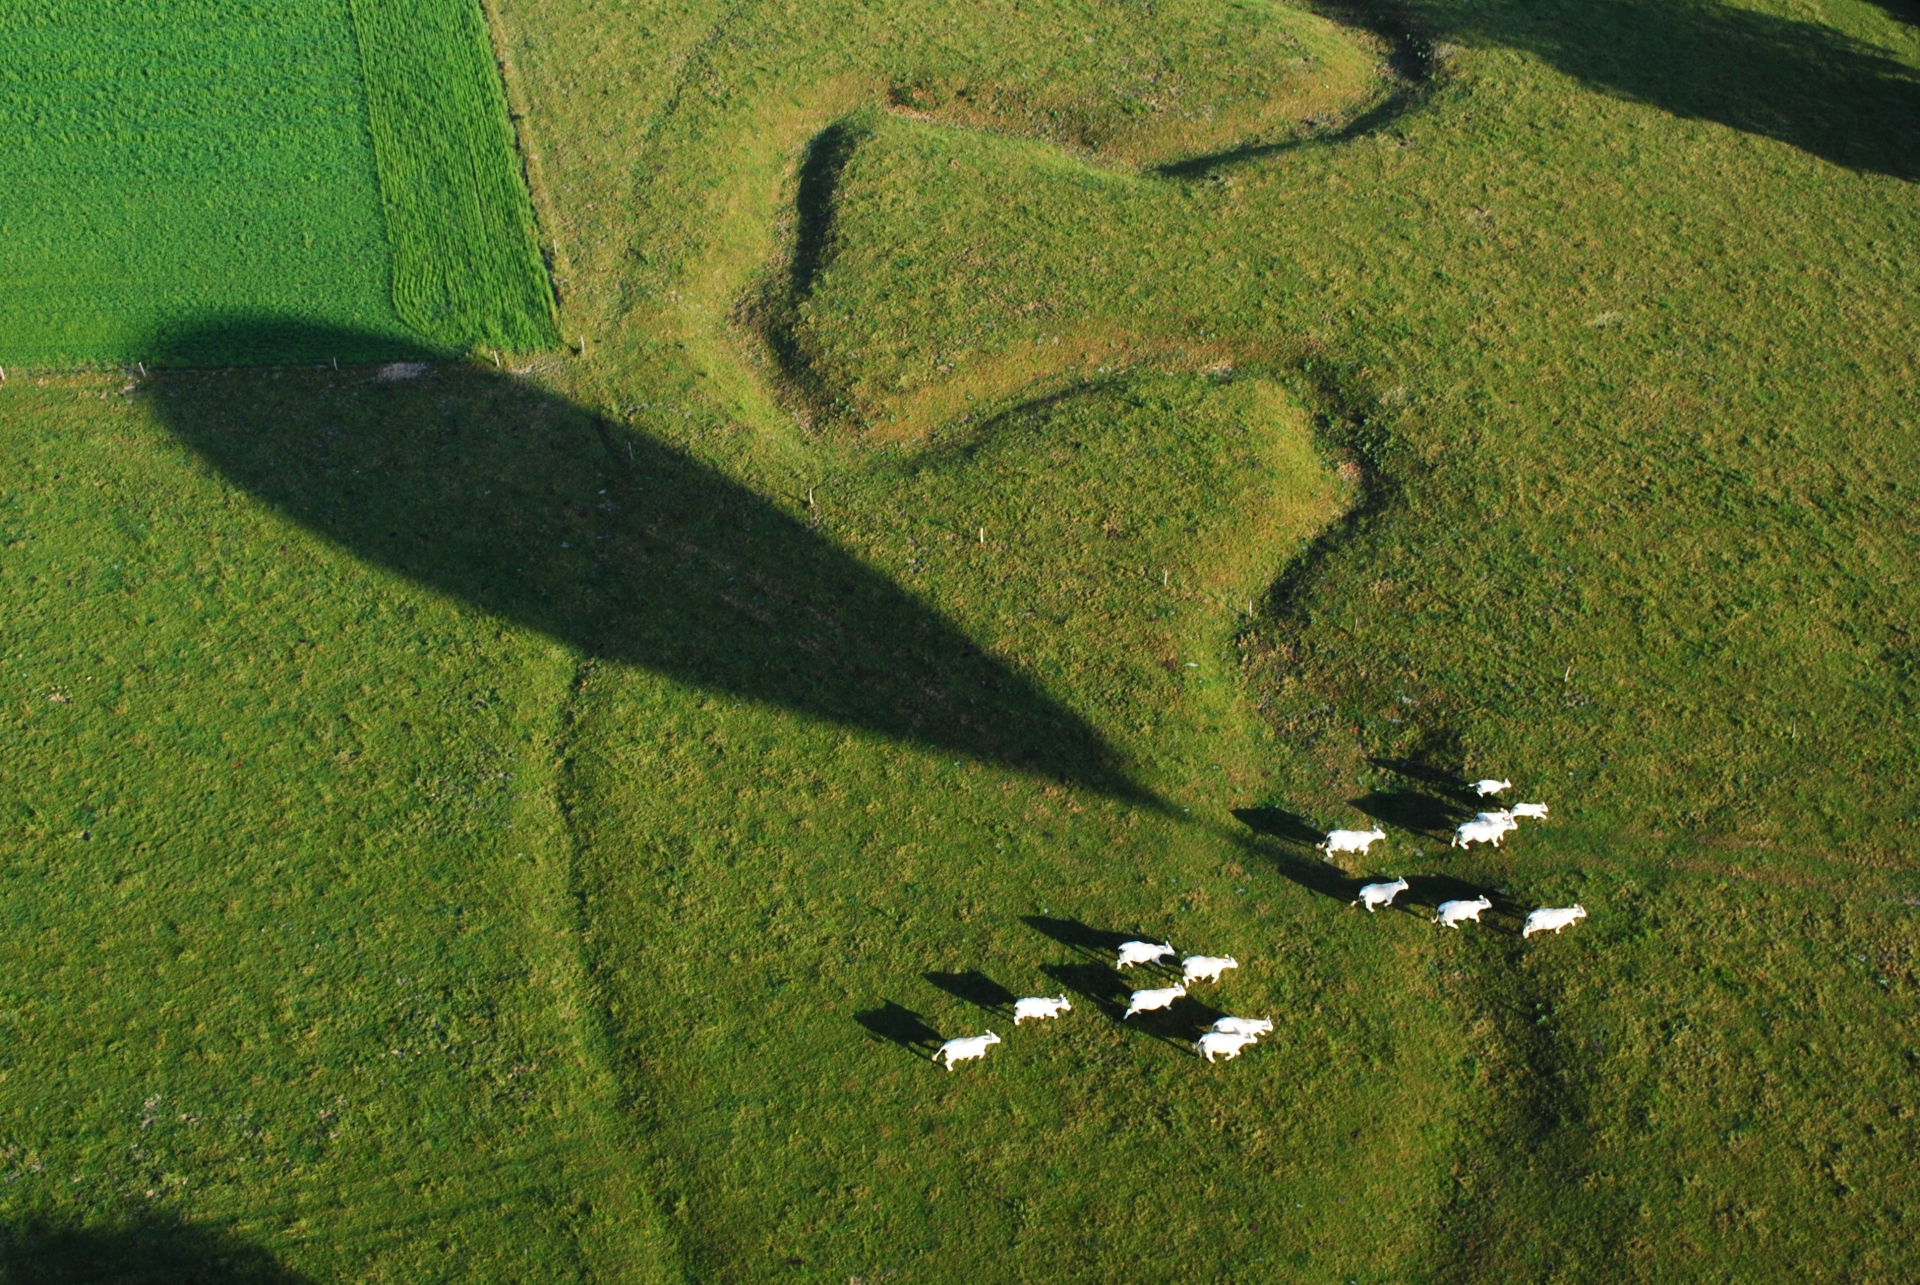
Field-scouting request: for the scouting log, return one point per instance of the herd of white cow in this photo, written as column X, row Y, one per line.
column 1229, row 1035
column 1485, row 827
column 1224, row 1039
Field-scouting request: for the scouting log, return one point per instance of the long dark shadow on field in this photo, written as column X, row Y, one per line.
column 143, row 1249
column 1907, row 11
column 976, row 988
column 897, row 1024
column 1802, row 83
column 599, row 536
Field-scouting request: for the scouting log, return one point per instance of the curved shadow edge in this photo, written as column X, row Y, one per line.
column 550, row 515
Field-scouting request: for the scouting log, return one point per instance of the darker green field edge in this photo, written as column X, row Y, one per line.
column 467, row 268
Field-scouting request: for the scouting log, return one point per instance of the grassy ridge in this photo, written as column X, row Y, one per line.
column 164, row 161
column 467, row 271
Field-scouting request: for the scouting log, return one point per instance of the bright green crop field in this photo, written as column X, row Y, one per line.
column 327, row 162
column 1019, row 473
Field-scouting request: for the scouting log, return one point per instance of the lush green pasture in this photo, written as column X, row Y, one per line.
column 338, row 164
column 1004, row 504
column 287, row 944
column 1623, row 363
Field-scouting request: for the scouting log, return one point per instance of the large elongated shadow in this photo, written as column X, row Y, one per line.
column 556, row 518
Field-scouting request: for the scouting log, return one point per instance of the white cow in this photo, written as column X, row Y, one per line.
column 1489, row 786
column 1040, row 1006
column 1147, row 1001
column 1548, row 920
column 1144, row 952
column 1380, row 894
column 1243, row 1025
column 1205, row 968
column 965, row 1049
column 1449, row 913
column 1226, row 1044
column 1503, row 818
column 1468, row 833
column 1533, row 811
column 1349, row 841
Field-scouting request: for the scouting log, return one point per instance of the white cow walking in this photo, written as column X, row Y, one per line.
column 1040, row 1007
column 1375, row 895
column 1489, row 786
column 1468, row 833
column 1552, row 920
column 1205, row 968
column 1225, row 1044
column 1449, row 914
column 1144, row 952
column 1349, row 841
column 1148, row 1001
column 965, row 1049
column 1243, row 1025
column 1532, row 811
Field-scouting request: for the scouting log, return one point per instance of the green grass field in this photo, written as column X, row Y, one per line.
column 1029, row 469
column 335, row 164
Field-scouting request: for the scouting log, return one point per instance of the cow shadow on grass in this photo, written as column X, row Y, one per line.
column 976, row 988
column 139, row 1250
column 1452, row 788
column 1278, row 823
column 599, row 536
column 1084, row 939
column 900, row 1025
column 1412, row 811
column 1284, row 841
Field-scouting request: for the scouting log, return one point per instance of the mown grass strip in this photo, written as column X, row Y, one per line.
column 166, row 160
column 467, row 270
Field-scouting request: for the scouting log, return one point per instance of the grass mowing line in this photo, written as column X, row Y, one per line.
column 467, row 270
column 166, row 160
column 342, row 166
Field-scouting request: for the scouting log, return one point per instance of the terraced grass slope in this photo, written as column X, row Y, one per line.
column 331, row 163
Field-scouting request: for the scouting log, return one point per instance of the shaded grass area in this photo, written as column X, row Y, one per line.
column 1824, row 84
column 563, row 521
column 139, row 1249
